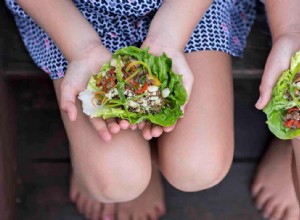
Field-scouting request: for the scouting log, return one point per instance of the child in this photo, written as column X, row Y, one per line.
column 80, row 37
column 273, row 188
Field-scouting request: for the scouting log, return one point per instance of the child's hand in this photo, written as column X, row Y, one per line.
column 278, row 61
column 78, row 74
column 180, row 66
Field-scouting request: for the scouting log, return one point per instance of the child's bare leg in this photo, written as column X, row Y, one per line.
column 198, row 153
column 115, row 172
column 149, row 205
column 296, row 166
column 273, row 189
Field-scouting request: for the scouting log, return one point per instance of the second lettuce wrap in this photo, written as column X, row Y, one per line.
column 283, row 110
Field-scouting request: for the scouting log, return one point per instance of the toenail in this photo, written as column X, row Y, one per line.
column 258, row 208
column 265, row 216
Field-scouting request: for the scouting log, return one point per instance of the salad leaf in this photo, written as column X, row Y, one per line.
column 280, row 102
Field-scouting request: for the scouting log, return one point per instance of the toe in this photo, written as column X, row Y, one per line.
column 123, row 215
column 277, row 212
column 152, row 215
column 96, row 214
column 80, row 203
column 268, row 209
column 88, row 208
column 261, row 199
column 255, row 189
column 109, row 211
column 136, row 217
column 73, row 194
column 291, row 213
column 161, row 209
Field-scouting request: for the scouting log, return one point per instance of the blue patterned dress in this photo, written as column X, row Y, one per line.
column 120, row 23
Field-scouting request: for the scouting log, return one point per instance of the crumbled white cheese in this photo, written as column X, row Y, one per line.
column 113, row 63
column 157, row 102
column 144, row 103
column 152, row 89
column 113, row 92
column 165, row 92
column 153, row 98
column 297, row 84
column 133, row 104
column 129, row 93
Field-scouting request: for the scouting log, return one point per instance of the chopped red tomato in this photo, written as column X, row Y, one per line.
column 111, row 71
column 289, row 123
column 292, row 110
column 112, row 80
column 142, row 89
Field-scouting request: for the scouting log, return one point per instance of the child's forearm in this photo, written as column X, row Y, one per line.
column 175, row 21
column 283, row 17
column 64, row 24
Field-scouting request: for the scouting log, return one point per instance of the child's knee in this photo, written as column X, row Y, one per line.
column 118, row 183
column 199, row 172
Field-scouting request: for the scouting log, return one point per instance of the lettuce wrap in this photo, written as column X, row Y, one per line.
column 283, row 113
column 136, row 86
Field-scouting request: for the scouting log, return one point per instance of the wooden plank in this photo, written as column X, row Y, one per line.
column 7, row 154
column 251, row 132
column 45, row 188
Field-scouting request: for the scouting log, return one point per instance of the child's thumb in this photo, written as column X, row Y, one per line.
column 265, row 95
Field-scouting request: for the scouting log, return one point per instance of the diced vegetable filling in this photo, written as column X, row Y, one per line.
column 140, row 88
column 292, row 118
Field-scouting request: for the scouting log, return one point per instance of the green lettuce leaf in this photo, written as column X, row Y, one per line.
column 279, row 103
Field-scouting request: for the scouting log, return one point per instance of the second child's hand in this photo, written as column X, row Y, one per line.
column 76, row 78
column 278, row 61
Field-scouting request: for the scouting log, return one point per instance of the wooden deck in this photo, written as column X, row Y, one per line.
column 43, row 165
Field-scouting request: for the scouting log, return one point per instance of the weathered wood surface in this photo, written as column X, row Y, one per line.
column 7, row 154
column 42, row 146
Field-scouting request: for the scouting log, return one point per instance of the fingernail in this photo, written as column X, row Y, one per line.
column 108, row 218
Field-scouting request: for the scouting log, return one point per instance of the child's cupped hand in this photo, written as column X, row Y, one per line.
column 76, row 78
column 180, row 66
column 278, row 60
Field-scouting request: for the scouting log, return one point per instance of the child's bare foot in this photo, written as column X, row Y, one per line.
column 149, row 205
column 89, row 207
column 273, row 189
